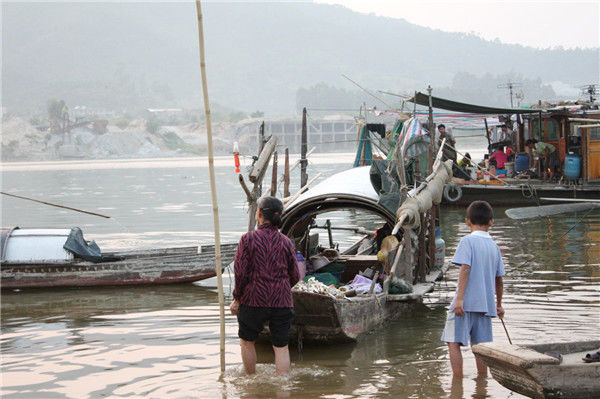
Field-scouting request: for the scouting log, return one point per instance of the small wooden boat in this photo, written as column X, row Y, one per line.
column 322, row 317
column 36, row 258
column 538, row 372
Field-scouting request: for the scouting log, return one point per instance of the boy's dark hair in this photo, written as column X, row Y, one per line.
column 271, row 208
column 529, row 142
column 480, row 213
column 441, row 125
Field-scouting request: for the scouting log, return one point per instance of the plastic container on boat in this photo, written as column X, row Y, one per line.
column 521, row 162
column 473, row 174
column 572, row 167
column 440, row 249
column 510, row 169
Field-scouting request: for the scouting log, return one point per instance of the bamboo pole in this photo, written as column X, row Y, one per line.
column 56, row 205
column 434, row 208
column 213, row 188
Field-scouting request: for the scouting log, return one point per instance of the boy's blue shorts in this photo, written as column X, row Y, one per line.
column 474, row 325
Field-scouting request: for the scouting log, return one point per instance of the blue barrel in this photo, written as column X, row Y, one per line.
column 521, row 162
column 572, row 167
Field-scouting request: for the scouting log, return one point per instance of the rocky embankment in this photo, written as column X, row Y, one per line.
column 21, row 141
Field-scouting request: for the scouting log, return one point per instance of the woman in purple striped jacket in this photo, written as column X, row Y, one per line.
column 265, row 272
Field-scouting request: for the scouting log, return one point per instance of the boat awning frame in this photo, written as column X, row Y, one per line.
column 449, row 105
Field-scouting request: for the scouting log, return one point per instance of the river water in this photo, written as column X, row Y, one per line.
column 163, row 341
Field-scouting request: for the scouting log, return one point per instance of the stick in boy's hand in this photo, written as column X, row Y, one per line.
column 500, row 311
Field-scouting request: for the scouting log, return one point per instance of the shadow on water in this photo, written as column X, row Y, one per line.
column 80, row 305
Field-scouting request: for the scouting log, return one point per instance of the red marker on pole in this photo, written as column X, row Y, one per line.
column 236, row 156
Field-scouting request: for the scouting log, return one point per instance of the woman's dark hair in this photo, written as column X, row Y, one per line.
column 480, row 213
column 467, row 155
column 271, row 209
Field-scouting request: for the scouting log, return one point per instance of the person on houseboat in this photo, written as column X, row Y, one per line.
column 447, row 135
column 265, row 271
column 465, row 162
column 546, row 155
column 449, row 151
column 499, row 157
column 501, row 137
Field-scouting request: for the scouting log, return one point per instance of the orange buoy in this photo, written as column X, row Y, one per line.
column 236, row 157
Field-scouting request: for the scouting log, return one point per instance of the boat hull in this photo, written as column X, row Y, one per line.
column 157, row 266
column 502, row 195
column 321, row 318
column 529, row 371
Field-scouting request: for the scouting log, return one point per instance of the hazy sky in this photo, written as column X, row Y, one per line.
column 532, row 23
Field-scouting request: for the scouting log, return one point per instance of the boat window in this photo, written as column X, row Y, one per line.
column 551, row 130
column 535, row 127
column 594, row 133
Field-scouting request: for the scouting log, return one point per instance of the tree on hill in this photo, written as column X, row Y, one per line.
column 58, row 116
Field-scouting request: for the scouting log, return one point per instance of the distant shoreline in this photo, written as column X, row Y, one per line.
column 163, row 162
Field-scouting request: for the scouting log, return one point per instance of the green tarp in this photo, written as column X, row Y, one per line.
column 449, row 105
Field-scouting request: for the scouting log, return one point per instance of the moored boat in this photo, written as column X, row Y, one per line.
column 38, row 258
column 553, row 370
column 323, row 316
column 574, row 132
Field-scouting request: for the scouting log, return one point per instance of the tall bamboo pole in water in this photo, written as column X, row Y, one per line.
column 213, row 188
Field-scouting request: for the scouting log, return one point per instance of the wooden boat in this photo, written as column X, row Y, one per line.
column 323, row 319
column 36, row 258
column 529, row 370
column 326, row 318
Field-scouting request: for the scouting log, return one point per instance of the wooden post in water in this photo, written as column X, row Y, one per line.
column 256, row 176
column 303, row 149
column 213, row 188
column 274, row 176
column 286, row 175
column 487, row 134
column 261, row 137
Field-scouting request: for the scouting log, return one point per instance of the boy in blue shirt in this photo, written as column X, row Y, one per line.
column 481, row 271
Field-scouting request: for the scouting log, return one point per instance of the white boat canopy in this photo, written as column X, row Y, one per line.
column 350, row 189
